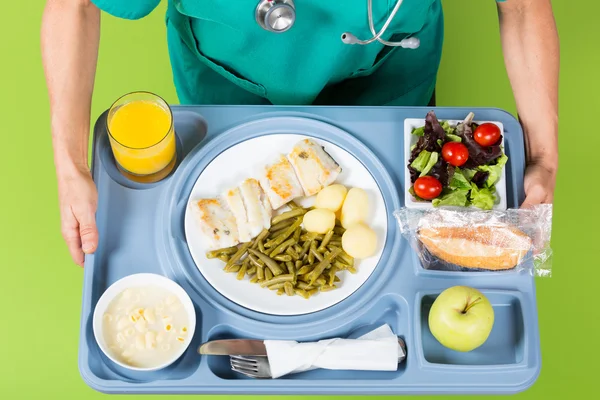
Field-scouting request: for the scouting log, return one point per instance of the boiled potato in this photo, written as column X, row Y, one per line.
column 355, row 208
column 332, row 197
column 359, row 241
column 319, row 220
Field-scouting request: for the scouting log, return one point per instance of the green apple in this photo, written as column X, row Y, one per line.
column 461, row 318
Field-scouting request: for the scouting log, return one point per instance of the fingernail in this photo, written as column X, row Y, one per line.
column 87, row 247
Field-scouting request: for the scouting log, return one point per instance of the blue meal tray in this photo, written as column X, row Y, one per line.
column 141, row 230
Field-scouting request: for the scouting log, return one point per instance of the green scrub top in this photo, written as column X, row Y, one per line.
column 220, row 54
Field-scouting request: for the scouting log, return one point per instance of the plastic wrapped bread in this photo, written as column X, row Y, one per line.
column 466, row 239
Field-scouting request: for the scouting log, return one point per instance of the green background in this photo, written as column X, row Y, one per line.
column 40, row 288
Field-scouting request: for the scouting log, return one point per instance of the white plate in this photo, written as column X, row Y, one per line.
column 242, row 161
column 410, row 139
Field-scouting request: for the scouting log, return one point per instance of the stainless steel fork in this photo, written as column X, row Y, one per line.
column 259, row 367
column 254, row 367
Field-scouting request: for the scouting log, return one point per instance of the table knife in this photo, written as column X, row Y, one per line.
column 238, row 347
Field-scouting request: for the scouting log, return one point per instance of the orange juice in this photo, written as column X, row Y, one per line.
column 141, row 134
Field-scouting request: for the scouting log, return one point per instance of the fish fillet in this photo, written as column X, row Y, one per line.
column 314, row 167
column 216, row 222
column 258, row 207
column 280, row 183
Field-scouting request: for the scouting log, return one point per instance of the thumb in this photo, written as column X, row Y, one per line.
column 536, row 195
column 88, row 232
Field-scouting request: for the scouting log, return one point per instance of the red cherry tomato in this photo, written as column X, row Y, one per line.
column 487, row 134
column 455, row 153
column 427, row 187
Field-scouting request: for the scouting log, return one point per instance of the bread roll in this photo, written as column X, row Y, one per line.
column 477, row 247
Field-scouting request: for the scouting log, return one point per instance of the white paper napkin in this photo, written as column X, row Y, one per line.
column 377, row 350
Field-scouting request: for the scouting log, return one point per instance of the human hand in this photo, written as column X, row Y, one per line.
column 78, row 199
column 539, row 182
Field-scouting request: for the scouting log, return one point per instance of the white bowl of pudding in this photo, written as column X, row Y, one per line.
column 144, row 322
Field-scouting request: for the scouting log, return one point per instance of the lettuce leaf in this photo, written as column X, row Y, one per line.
column 482, row 198
column 433, row 159
column 421, row 161
column 459, row 181
column 456, row 197
column 494, row 171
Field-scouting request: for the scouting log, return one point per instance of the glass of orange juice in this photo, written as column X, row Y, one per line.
column 142, row 136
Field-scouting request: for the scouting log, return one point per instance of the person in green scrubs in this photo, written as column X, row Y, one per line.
column 220, row 54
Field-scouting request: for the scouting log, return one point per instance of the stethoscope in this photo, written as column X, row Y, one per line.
column 279, row 16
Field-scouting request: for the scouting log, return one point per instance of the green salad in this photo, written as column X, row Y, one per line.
column 456, row 165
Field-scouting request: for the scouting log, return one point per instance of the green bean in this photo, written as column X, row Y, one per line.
column 327, row 288
column 336, row 243
column 292, row 253
column 344, row 257
column 281, row 225
column 321, row 281
column 255, row 261
column 278, row 279
column 261, row 236
column 297, row 248
column 299, row 264
column 292, row 204
column 288, row 214
column 275, row 234
column 340, row 265
column 304, row 286
column 284, row 258
column 251, row 271
column 325, row 241
column 238, row 255
column 241, row 273
column 288, row 232
column 332, row 273
column 336, row 279
column 268, row 274
column 313, row 291
column 305, row 269
column 260, row 273
column 281, row 248
column 316, row 253
column 290, row 268
column 218, row 252
column 297, row 234
column 275, row 286
column 311, row 236
column 232, row 268
column 254, row 279
column 289, row 289
column 302, row 293
column 305, row 248
column 269, row 262
column 280, row 291
column 352, row 270
column 261, row 247
column 323, row 264
column 223, row 257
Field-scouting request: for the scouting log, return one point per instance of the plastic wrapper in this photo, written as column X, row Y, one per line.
column 474, row 240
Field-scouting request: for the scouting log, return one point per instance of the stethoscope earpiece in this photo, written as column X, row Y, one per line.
column 349, row 38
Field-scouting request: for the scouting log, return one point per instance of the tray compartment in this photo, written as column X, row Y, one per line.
column 504, row 346
column 391, row 310
column 190, row 129
column 102, row 367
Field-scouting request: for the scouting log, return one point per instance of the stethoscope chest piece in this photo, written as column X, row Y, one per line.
column 276, row 15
